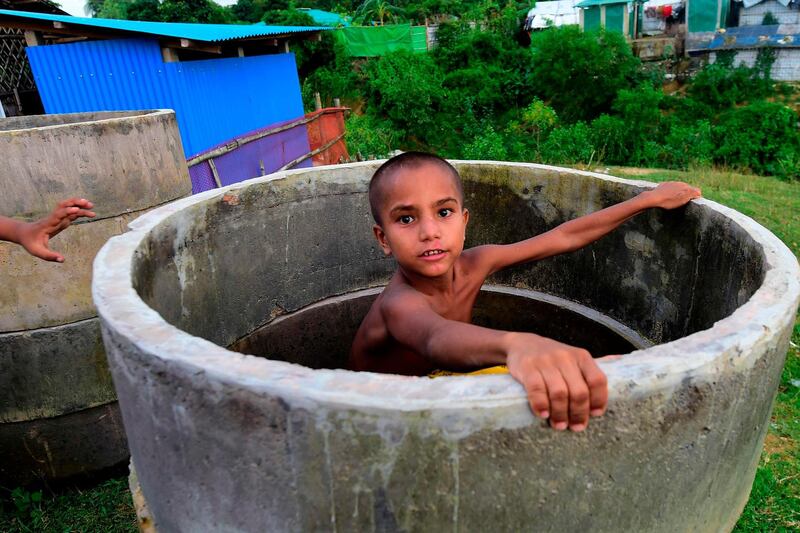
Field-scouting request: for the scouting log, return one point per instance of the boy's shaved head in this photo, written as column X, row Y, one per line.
column 405, row 161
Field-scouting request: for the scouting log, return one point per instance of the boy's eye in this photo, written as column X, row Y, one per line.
column 405, row 219
column 445, row 212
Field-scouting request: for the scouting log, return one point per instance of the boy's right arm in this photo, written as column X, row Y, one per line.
column 563, row 383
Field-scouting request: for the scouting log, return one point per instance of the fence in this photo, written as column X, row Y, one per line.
column 315, row 139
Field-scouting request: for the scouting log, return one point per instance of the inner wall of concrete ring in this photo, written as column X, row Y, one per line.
column 58, row 410
column 229, row 441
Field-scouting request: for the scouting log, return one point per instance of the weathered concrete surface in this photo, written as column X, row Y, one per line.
column 36, row 294
column 49, row 372
column 75, row 444
column 225, row 441
column 122, row 161
column 320, row 335
column 55, row 387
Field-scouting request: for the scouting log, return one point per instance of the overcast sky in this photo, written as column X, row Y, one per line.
column 75, row 7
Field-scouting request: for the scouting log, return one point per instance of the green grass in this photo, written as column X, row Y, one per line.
column 774, row 504
column 105, row 508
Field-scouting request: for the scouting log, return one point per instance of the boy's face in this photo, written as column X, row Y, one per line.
column 423, row 224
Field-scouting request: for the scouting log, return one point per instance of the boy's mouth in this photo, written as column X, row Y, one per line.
column 432, row 254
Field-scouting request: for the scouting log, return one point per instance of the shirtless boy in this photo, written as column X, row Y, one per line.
column 35, row 236
column 421, row 320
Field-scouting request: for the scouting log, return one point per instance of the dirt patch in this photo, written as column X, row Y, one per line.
column 777, row 444
column 633, row 171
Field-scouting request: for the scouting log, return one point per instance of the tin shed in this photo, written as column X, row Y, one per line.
column 614, row 15
column 222, row 80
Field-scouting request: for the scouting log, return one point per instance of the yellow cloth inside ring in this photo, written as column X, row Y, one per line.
column 499, row 369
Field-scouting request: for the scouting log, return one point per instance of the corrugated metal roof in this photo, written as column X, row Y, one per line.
column 324, row 17
column 593, row 3
column 179, row 30
column 780, row 36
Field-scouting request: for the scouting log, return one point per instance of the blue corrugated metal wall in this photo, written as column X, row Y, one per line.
column 214, row 100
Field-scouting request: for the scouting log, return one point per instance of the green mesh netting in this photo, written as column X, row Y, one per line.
column 371, row 41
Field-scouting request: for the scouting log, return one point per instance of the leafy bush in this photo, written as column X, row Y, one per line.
column 408, row 89
column 489, row 145
column 639, row 110
column 609, row 136
column 339, row 79
column 370, row 136
column 690, row 145
column 720, row 86
column 579, row 73
column 762, row 136
column 569, row 144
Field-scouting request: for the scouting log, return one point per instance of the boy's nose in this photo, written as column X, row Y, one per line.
column 429, row 229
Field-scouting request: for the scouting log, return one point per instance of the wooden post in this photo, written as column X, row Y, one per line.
column 240, row 51
column 214, row 172
column 603, row 16
column 635, row 21
column 286, row 46
column 337, row 102
column 19, row 102
column 33, row 38
column 317, row 102
column 169, row 55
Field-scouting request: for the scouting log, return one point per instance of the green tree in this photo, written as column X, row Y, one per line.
column 205, row 11
column 579, row 73
column 379, row 11
column 144, row 10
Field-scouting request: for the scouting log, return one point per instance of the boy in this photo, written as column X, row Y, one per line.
column 35, row 236
column 421, row 321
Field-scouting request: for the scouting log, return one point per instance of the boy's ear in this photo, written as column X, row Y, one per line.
column 381, row 236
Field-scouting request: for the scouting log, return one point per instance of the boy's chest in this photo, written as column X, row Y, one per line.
column 458, row 306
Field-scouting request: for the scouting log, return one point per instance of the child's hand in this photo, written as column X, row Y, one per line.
column 563, row 382
column 34, row 236
column 672, row 194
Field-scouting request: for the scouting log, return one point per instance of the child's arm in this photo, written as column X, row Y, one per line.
column 581, row 231
column 563, row 383
column 34, row 236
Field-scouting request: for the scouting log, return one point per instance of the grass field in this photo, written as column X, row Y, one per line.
column 775, row 499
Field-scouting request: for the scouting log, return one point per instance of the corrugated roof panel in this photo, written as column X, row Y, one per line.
column 780, row 36
column 178, row 30
column 593, row 3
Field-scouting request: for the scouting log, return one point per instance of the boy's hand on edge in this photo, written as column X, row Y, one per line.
column 34, row 236
column 563, row 382
column 672, row 194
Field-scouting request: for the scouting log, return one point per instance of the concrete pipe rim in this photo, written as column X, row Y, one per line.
column 638, row 374
column 113, row 116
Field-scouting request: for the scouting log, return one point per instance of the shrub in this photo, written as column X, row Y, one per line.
column 720, row 86
column 639, row 110
column 569, row 144
column 369, row 135
column 609, row 136
column 408, row 89
column 579, row 73
column 762, row 136
column 488, row 145
column 690, row 145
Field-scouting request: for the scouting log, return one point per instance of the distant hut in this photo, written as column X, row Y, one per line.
column 614, row 15
column 748, row 37
column 552, row 14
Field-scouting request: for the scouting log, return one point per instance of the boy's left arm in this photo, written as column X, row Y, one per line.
column 584, row 230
